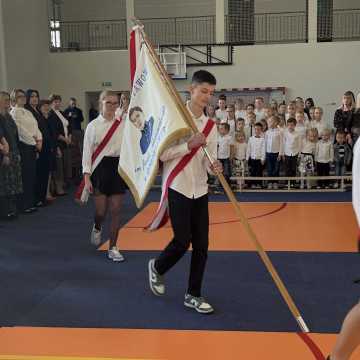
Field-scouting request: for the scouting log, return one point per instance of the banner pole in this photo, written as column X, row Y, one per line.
column 263, row 255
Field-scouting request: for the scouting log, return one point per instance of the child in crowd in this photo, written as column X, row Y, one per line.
column 274, row 150
column 240, row 111
column 268, row 112
column 317, row 122
column 342, row 155
column 264, row 124
column 230, row 119
column 239, row 125
column 301, row 124
column 291, row 110
column 274, row 105
column 224, row 146
column 239, row 156
column 250, row 126
column 210, row 112
column 255, row 154
column 311, row 113
column 324, row 155
column 259, row 108
column 292, row 146
column 307, row 161
column 221, row 113
column 249, row 112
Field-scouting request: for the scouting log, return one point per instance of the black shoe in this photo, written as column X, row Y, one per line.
column 156, row 281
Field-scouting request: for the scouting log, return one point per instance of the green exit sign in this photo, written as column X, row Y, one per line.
column 107, row 83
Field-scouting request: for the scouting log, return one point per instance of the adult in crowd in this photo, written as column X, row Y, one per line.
column 10, row 166
column 30, row 145
column 43, row 160
column 309, row 103
column 104, row 180
column 44, row 107
column 76, row 117
column 343, row 115
column 93, row 112
column 61, row 129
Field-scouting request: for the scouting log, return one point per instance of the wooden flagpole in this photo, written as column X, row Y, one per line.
column 187, row 116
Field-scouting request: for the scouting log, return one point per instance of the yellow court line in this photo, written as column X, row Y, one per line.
column 25, row 357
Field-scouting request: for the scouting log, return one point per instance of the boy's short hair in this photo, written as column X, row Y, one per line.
column 250, row 104
column 222, row 97
column 276, row 118
column 225, row 125
column 252, row 114
column 291, row 121
column 230, row 107
column 43, row 102
column 203, row 76
column 259, row 124
column 240, row 119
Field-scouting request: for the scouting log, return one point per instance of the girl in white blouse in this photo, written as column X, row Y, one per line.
column 30, row 144
column 104, row 182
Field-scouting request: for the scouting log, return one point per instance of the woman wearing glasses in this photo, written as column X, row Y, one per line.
column 30, row 145
column 101, row 175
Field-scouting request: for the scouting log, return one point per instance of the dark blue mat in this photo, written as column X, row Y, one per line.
column 89, row 291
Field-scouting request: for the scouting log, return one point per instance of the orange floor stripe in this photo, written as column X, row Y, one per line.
column 319, row 227
column 159, row 344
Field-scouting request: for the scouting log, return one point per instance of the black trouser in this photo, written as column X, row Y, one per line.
column 42, row 174
column 28, row 173
column 190, row 223
column 272, row 165
column 290, row 165
column 256, row 170
column 323, row 169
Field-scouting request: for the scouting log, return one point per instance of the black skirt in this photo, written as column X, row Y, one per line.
column 106, row 179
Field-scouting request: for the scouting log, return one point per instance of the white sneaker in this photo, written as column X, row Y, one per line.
column 270, row 186
column 95, row 237
column 275, row 186
column 115, row 255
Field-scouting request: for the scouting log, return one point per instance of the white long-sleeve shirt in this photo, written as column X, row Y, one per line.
column 221, row 114
column 240, row 150
column 292, row 143
column 308, row 147
column 324, row 152
column 274, row 141
column 192, row 180
column 256, row 148
column 27, row 126
column 94, row 134
column 224, row 144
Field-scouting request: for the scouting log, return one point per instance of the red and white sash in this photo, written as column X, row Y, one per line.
column 96, row 157
column 162, row 215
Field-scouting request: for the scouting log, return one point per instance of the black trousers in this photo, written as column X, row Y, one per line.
column 28, row 172
column 190, row 223
column 290, row 165
column 323, row 169
column 256, row 170
column 42, row 174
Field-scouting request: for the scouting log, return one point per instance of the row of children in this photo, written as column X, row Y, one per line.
column 299, row 147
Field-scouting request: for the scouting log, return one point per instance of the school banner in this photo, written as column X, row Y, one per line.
column 153, row 122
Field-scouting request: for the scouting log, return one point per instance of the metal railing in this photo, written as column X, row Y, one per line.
column 346, row 24
column 181, row 30
column 267, row 28
column 88, row 35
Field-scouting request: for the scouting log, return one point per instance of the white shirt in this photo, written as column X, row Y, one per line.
column 256, row 148
column 292, row 143
column 192, row 180
column 27, row 125
column 356, row 181
column 240, row 150
column 308, row 147
column 324, row 152
column 240, row 114
column 221, row 114
column 260, row 114
column 224, row 144
column 274, row 141
column 319, row 125
column 301, row 128
column 94, row 133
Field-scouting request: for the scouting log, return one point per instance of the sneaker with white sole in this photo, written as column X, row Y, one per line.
column 156, row 281
column 198, row 303
column 275, row 186
column 95, row 237
column 115, row 255
column 270, row 186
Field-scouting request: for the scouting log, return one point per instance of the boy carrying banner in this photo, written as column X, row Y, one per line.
column 185, row 170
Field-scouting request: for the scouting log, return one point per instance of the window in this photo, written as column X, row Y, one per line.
column 55, row 34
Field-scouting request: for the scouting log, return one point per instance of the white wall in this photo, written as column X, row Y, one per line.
column 320, row 71
column 26, row 44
